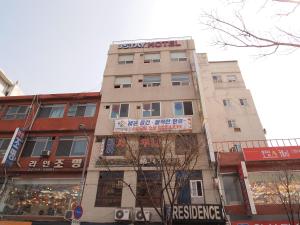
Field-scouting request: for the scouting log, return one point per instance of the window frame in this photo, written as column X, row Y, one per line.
column 178, row 59
column 74, row 138
column 81, row 104
column 181, row 83
column 2, row 140
column 125, row 61
column 38, row 139
column 152, row 60
column 195, row 181
column 118, row 151
column 152, row 84
column 182, row 103
column 231, row 123
column 226, row 102
column 125, row 85
column 120, row 105
column 150, row 109
column 240, row 202
column 52, row 106
column 231, row 78
column 218, row 79
column 243, row 102
column 16, row 114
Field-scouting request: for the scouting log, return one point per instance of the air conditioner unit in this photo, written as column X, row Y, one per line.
column 69, row 215
column 139, row 215
column 45, row 153
column 122, row 214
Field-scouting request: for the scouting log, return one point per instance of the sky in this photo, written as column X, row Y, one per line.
column 59, row 46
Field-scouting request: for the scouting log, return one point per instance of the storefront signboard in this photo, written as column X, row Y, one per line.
column 47, row 165
column 153, row 125
column 267, row 222
column 14, row 147
column 2, row 222
column 271, row 153
column 156, row 44
column 197, row 213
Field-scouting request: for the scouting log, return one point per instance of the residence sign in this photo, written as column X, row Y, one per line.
column 156, row 44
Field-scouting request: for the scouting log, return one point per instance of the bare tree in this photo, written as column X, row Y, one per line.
column 157, row 152
column 235, row 31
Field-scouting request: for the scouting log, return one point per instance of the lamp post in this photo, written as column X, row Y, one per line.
column 82, row 180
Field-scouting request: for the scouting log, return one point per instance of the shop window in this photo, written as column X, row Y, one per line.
column 183, row 108
column 231, row 123
column 125, row 59
column 226, row 102
column 151, row 109
column 119, row 110
column 72, row 146
column 16, row 112
column 243, row 101
column 149, row 187
column 115, row 146
column 41, row 197
column 217, row 78
column 185, row 144
column 231, row 78
column 232, row 189
column 180, row 80
column 178, row 56
column 123, row 82
column 51, row 111
column 82, row 110
column 4, row 142
column 149, row 145
column 151, row 57
column 109, row 190
column 189, row 185
column 151, row 81
column 35, row 145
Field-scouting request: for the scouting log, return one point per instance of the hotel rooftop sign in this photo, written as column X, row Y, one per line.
column 156, row 44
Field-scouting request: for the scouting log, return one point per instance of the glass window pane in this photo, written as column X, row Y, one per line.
column 152, row 56
column 57, row 112
column 124, row 110
column 180, row 77
column 115, row 111
column 90, row 110
column 178, row 108
column 232, row 188
column 44, row 112
column 72, row 110
column 79, row 147
column 123, row 80
column 126, row 57
column 27, row 150
column 156, row 109
column 22, row 109
column 64, row 147
column 152, row 79
column 80, row 110
column 38, row 148
column 188, row 108
column 12, row 109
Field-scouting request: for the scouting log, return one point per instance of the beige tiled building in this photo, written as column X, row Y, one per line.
column 7, row 87
column 163, row 82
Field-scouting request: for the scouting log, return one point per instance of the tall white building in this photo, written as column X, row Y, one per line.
column 7, row 87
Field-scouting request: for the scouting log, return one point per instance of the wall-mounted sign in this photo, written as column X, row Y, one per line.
column 207, row 212
column 14, row 147
column 271, row 153
column 153, row 125
column 261, row 222
column 47, row 165
column 156, row 44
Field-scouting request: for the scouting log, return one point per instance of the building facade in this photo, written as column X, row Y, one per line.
column 150, row 90
column 7, row 87
column 45, row 143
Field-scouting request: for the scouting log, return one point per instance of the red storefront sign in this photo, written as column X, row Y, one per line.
column 279, row 222
column 271, row 153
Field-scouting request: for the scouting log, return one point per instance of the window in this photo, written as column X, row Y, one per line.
column 151, row 81
column 119, row 110
column 217, row 79
column 109, row 190
column 149, row 145
column 123, row 82
column 180, row 80
column 126, row 59
column 16, row 112
column 151, row 109
column 145, row 196
column 115, row 146
column 51, row 111
column 72, row 146
column 196, row 188
column 243, row 102
column 35, row 145
column 183, row 108
column 4, row 142
column 231, row 123
column 84, row 110
column 226, row 102
column 151, row 57
column 231, row 78
column 232, row 189
column 185, row 143
column 178, row 56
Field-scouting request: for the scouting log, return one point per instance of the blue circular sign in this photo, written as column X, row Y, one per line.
column 78, row 211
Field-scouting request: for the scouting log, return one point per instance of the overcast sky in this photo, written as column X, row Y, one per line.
column 53, row 46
